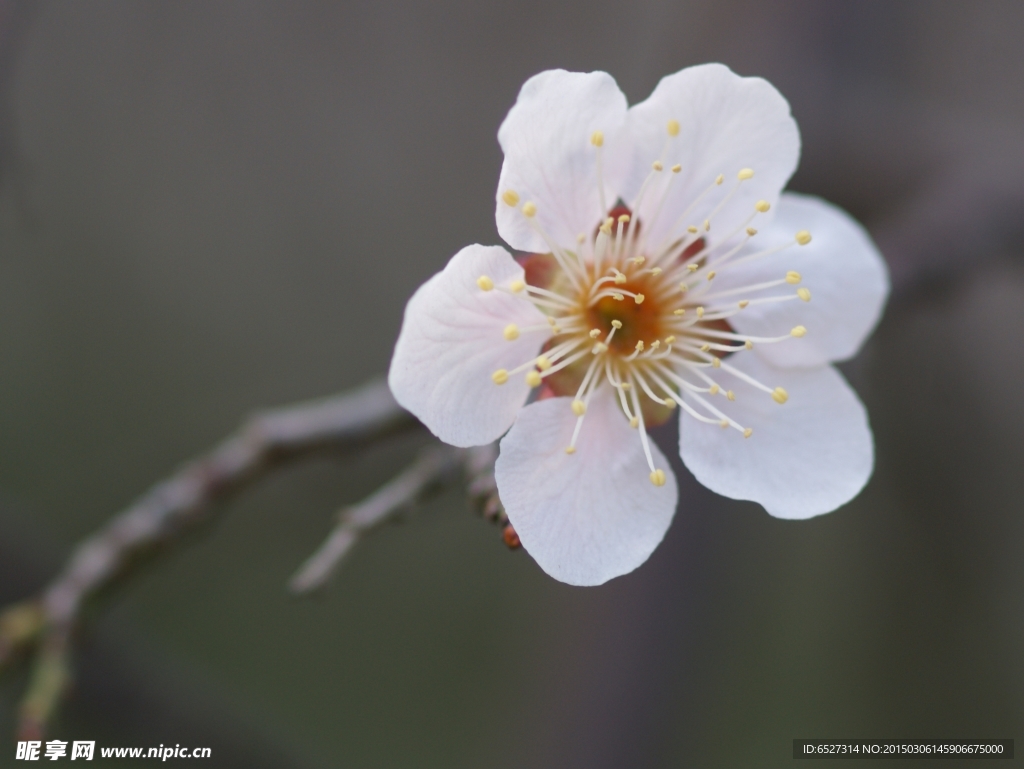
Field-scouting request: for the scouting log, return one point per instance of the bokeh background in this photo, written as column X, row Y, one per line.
column 210, row 207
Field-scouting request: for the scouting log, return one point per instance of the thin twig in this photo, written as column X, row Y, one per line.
column 432, row 467
column 266, row 442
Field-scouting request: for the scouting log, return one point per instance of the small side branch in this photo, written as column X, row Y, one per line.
column 432, row 468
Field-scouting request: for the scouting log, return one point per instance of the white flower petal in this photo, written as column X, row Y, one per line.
column 841, row 267
column 726, row 123
column 452, row 341
column 805, row 457
column 589, row 516
column 550, row 160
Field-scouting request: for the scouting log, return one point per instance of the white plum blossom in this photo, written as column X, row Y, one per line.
column 662, row 271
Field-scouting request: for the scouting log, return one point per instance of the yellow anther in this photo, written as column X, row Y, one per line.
column 676, row 168
column 684, row 287
column 543, row 363
column 599, row 348
column 618, row 297
column 692, row 230
column 510, row 198
column 640, row 346
column 623, row 218
column 638, row 260
column 619, row 278
column 634, row 422
column 606, row 227
column 705, row 347
column 779, row 395
column 657, row 166
column 595, row 333
column 748, row 432
column 798, row 331
column 669, row 404
column 793, row 277
column 680, row 311
column 529, row 209
column 762, row 205
column 724, row 423
column 669, row 339
column 745, row 173
column 655, row 344
column 700, row 312
column 511, row 331
column 711, row 275
column 485, row 283
column 658, row 477
column 570, row 449
column 720, row 178
column 730, row 395
column 713, row 390
column 639, row 298
column 716, row 363
column 655, row 270
column 597, row 138
column 581, row 238
column 707, row 225
column 751, row 231
column 533, row 378
column 804, row 293
column 617, row 323
column 516, row 286
column 693, row 267
column 500, row 376
column 673, row 128
column 803, row 237
column 626, row 385
column 749, row 345
column 743, row 303
column 579, row 408
column 556, row 329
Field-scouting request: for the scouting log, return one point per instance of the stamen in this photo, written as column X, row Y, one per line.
column 798, row 331
column 529, row 210
column 485, row 283
column 803, row 237
column 511, row 331
column 779, row 395
column 500, row 376
column 643, row 432
column 804, row 293
column 793, row 277
column 597, row 139
column 510, row 198
column 533, row 378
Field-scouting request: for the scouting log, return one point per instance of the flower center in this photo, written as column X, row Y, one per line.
column 645, row 318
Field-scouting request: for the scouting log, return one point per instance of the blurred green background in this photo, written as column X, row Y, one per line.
column 211, row 207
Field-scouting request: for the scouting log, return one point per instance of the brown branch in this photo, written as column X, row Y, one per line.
column 266, row 442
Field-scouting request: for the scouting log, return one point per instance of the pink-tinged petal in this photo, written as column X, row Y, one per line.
column 805, row 457
column 589, row 516
column 727, row 123
column 847, row 278
column 550, row 160
column 453, row 340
